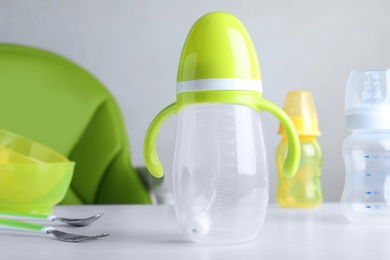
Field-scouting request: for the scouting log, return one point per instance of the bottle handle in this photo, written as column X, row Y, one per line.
column 293, row 158
column 150, row 154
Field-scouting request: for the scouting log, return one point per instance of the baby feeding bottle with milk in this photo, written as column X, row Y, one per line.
column 366, row 195
column 220, row 175
column 304, row 190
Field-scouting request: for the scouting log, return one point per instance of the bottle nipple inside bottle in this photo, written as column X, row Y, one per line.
column 372, row 93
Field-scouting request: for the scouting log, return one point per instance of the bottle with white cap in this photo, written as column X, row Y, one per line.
column 366, row 195
column 220, row 176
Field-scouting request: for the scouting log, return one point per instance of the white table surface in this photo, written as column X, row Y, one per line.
column 151, row 232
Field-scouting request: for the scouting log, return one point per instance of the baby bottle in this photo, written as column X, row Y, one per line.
column 219, row 175
column 366, row 152
column 304, row 189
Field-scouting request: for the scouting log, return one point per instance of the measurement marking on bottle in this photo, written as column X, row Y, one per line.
column 229, row 154
column 372, row 156
column 373, row 207
column 377, row 192
column 231, row 165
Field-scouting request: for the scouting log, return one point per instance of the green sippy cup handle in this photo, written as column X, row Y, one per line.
column 293, row 158
column 150, row 154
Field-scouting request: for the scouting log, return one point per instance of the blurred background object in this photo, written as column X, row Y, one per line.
column 55, row 102
column 304, row 189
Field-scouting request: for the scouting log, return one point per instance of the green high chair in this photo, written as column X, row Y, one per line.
column 51, row 100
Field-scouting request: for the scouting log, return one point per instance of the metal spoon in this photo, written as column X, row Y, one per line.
column 77, row 222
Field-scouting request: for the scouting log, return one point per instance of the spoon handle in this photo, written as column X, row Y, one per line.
column 28, row 215
column 20, row 225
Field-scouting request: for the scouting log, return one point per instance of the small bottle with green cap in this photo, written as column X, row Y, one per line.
column 220, row 175
column 304, row 190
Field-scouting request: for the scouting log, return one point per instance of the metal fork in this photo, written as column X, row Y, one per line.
column 63, row 236
column 77, row 222
column 68, row 237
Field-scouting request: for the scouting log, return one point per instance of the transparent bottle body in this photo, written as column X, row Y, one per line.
column 366, row 194
column 304, row 189
column 220, row 177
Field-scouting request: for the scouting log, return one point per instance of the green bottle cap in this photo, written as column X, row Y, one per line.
column 218, row 54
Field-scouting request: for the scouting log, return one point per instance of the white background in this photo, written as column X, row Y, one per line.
column 133, row 47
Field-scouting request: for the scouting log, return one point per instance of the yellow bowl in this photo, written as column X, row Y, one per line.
column 33, row 177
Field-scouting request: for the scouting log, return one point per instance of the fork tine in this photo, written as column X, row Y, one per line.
column 68, row 237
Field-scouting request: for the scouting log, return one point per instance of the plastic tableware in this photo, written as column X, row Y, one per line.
column 304, row 189
column 33, row 177
column 220, row 176
column 366, row 194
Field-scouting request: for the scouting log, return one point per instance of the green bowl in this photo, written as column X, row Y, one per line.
column 33, row 177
